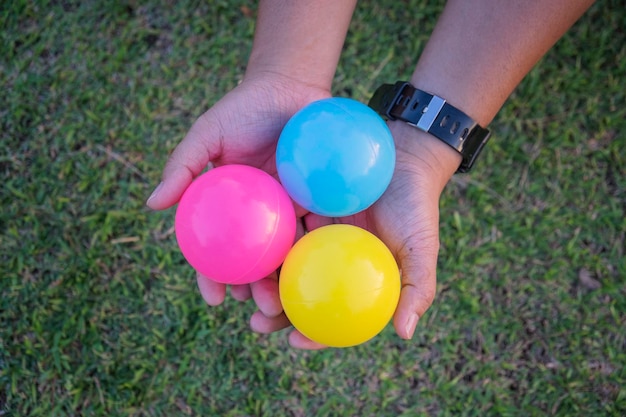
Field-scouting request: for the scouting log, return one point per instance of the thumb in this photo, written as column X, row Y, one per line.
column 418, row 265
column 192, row 155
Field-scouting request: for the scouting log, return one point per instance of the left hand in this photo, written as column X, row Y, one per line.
column 405, row 218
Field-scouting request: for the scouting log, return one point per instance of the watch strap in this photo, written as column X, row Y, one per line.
column 432, row 114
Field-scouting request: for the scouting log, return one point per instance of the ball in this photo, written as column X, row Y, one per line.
column 339, row 285
column 235, row 224
column 335, row 157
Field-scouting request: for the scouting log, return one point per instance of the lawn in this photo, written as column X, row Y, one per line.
column 100, row 315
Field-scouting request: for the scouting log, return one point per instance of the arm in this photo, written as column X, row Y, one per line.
column 478, row 53
column 490, row 45
column 300, row 39
column 296, row 48
column 294, row 56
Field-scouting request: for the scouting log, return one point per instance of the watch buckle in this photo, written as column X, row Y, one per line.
column 430, row 113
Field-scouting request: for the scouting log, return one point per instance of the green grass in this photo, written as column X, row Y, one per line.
column 99, row 314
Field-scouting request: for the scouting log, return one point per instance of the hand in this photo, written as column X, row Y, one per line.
column 406, row 218
column 243, row 127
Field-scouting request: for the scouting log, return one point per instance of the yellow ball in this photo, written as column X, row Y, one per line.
column 339, row 285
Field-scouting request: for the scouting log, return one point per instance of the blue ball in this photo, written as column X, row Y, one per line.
column 335, row 157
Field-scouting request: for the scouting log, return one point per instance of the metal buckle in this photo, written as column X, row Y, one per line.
column 430, row 113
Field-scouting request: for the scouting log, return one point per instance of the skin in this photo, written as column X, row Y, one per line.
column 478, row 53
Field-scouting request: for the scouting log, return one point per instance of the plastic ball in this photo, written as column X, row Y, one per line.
column 339, row 285
column 235, row 224
column 335, row 157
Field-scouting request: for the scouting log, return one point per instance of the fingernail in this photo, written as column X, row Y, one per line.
column 155, row 192
column 411, row 322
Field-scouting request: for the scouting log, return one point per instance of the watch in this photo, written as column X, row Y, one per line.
column 432, row 114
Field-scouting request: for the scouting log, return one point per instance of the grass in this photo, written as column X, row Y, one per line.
column 99, row 314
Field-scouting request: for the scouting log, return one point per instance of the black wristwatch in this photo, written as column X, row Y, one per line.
column 434, row 115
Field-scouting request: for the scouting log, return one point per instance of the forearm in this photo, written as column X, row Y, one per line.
column 478, row 53
column 480, row 50
column 300, row 39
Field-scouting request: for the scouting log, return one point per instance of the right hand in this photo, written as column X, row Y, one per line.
column 241, row 128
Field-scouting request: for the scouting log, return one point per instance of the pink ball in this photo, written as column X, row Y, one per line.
column 235, row 224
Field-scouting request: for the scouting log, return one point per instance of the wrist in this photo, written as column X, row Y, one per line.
column 434, row 115
column 420, row 151
column 285, row 72
column 284, row 91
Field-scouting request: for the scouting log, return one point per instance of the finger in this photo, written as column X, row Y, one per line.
column 241, row 292
column 266, row 297
column 300, row 230
column 313, row 221
column 419, row 284
column 300, row 341
column 260, row 323
column 300, row 211
column 212, row 292
column 201, row 145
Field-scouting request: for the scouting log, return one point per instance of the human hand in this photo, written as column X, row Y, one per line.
column 243, row 128
column 406, row 219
